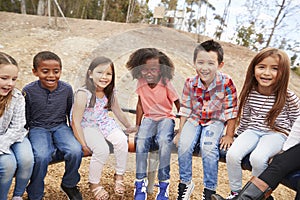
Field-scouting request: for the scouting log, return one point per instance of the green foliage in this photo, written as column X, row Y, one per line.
column 84, row 9
column 247, row 37
column 293, row 59
column 296, row 70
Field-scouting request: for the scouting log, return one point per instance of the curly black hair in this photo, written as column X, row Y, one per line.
column 139, row 58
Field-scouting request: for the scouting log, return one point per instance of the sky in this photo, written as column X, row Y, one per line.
column 236, row 9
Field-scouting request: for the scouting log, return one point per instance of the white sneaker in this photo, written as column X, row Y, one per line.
column 232, row 195
column 17, row 198
column 185, row 191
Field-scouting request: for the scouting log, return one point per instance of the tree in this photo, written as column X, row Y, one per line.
column 247, row 37
column 23, row 6
column 41, row 7
column 222, row 20
column 193, row 7
column 269, row 17
column 284, row 9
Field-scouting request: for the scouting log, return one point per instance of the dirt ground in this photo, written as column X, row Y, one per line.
column 78, row 41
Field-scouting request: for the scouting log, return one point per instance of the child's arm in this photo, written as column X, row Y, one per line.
column 181, row 123
column 15, row 131
column 78, row 111
column 227, row 139
column 121, row 116
column 177, row 104
column 139, row 112
column 230, row 105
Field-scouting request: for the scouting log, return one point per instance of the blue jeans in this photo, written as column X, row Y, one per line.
column 45, row 142
column 161, row 133
column 19, row 163
column 261, row 144
column 209, row 147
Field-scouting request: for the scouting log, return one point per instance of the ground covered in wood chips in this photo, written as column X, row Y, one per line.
column 79, row 41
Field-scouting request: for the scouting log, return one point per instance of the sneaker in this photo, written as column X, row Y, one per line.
column 185, row 191
column 232, row 195
column 163, row 191
column 207, row 194
column 140, row 190
column 17, row 198
column 72, row 193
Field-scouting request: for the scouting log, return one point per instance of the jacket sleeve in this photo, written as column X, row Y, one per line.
column 14, row 122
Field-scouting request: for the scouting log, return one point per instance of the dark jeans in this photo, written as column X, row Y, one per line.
column 44, row 142
column 281, row 165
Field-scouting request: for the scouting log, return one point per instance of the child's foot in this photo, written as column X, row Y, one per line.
column 163, row 192
column 140, row 191
column 119, row 185
column 99, row 192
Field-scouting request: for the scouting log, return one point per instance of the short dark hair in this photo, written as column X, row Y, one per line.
column 45, row 55
column 210, row 45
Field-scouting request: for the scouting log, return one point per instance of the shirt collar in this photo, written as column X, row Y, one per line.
column 198, row 83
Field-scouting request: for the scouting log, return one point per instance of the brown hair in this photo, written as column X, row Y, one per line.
column 280, row 89
column 109, row 90
column 6, row 59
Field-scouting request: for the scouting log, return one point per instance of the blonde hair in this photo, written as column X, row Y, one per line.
column 6, row 59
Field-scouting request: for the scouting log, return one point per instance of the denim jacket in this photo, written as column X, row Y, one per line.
column 12, row 123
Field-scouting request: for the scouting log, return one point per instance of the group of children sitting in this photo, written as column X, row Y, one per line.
column 46, row 120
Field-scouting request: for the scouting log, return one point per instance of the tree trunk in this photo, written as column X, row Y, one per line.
column 276, row 22
column 41, row 7
column 103, row 10
column 23, row 7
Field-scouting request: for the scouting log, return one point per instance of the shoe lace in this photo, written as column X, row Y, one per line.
column 181, row 190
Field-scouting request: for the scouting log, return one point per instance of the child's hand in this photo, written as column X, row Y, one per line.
column 132, row 129
column 176, row 139
column 226, row 142
column 86, row 151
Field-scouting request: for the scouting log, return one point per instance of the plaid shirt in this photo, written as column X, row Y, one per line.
column 204, row 106
column 12, row 123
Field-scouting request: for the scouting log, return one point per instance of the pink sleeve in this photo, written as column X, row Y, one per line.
column 172, row 93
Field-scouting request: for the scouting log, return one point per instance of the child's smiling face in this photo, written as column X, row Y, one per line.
column 49, row 72
column 8, row 78
column 265, row 73
column 206, row 65
column 151, row 71
column 102, row 76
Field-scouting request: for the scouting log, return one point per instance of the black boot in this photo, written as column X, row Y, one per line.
column 255, row 189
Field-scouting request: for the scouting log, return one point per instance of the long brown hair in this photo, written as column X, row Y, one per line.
column 280, row 88
column 6, row 59
column 109, row 90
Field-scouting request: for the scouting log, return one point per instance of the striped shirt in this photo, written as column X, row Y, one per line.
column 257, row 107
column 47, row 109
column 204, row 106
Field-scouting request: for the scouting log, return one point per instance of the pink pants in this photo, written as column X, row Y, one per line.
column 98, row 145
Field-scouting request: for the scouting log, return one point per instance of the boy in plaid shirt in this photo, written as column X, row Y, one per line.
column 209, row 103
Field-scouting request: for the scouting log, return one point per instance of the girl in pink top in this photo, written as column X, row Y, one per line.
column 156, row 96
